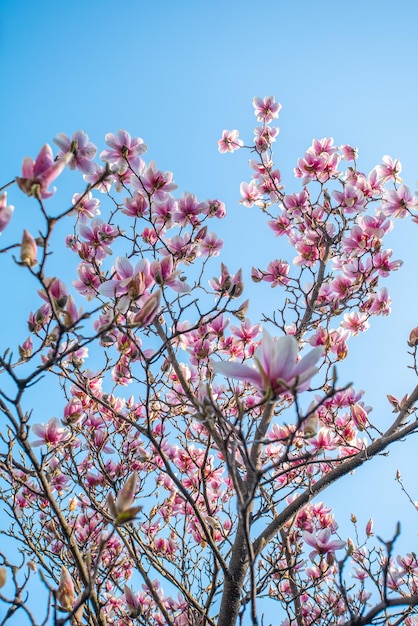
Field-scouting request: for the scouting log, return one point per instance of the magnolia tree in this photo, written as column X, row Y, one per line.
column 184, row 482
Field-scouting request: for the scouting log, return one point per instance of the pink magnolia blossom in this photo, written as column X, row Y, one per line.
column 123, row 150
column 82, row 149
column 89, row 282
column 157, row 184
column 264, row 136
column 229, row 141
column 136, row 205
column 129, row 282
column 266, row 109
column 322, row 542
column 359, row 416
column 210, row 245
column 38, row 175
column 50, row 434
column 227, row 284
column 85, row 206
column 250, row 193
column 163, row 273
column 351, row 199
column 399, row 202
column 389, row 169
column 348, row 153
column 6, row 212
column 277, row 368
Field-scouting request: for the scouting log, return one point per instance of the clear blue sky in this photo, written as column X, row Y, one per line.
column 177, row 73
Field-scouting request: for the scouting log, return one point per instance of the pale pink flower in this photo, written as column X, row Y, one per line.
column 210, row 245
column 229, row 141
column 132, row 601
column 214, row 208
column 277, row 368
column 129, row 282
column 6, row 211
column 322, row 543
column 50, row 434
column 89, row 282
column 157, row 184
column 389, row 169
column 398, row 202
column 163, row 273
column 249, row 193
column 355, row 322
column 369, row 528
column 124, row 150
column 276, row 273
column 82, row 149
column 135, row 206
column 85, row 206
column 227, row 284
column 266, row 109
column 348, row 153
column 351, row 199
column 38, row 175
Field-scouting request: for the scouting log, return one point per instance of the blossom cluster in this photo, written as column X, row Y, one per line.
column 227, row 421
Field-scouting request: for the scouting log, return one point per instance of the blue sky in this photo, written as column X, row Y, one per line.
column 178, row 73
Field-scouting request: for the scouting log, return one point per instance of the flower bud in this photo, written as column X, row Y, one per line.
column 413, row 337
column 28, row 250
column 359, row 416
column 148, row 311
column 369, row 528
column 241, row 312
column 310, row 425
column 132, row 602
column 2, row 576
column 65, row 592
column 122, row 510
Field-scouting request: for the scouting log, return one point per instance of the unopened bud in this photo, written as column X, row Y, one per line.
column 359, row 416
column 241, row 313
column 28, row 249
column 369, row 528
column 122, row 510
column 413, row 337
column 148, row 311
column 65, row 592
column 310, row 425
column 132, row 602
column 2, row 576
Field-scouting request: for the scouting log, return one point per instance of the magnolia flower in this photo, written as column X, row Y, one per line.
column 6, row 211
column 121, row 509
column 277, row 368
column 38, row 175
column 229, row 141
column 50, row 434
column 321, row 542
